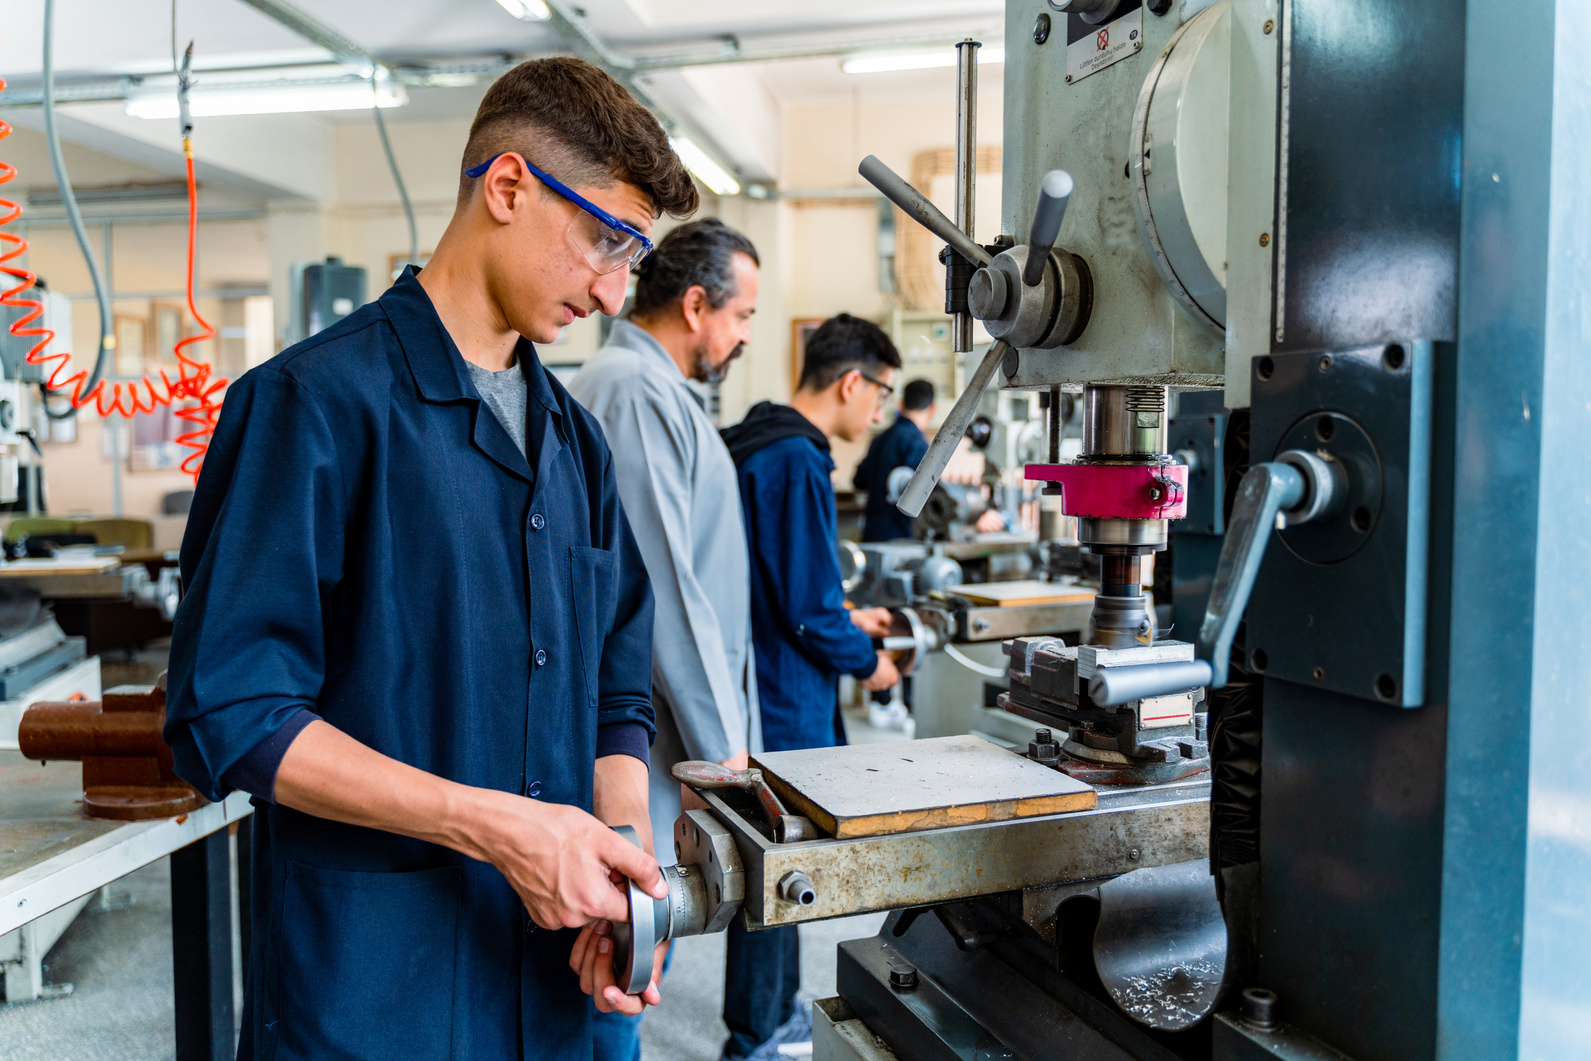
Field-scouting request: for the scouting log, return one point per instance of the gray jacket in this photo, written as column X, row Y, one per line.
column 679, row 491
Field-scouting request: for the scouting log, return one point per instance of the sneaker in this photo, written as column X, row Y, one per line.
column 887, row 716
column 794, row 1033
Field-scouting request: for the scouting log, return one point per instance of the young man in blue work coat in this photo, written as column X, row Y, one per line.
column 418, row 628
column 803, row 636
column 901, row 445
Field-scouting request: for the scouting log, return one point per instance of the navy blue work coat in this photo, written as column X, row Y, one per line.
column 367, row 542
column 901, row 445
column 802, row 635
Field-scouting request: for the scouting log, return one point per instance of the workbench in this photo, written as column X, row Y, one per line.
column 52, row 857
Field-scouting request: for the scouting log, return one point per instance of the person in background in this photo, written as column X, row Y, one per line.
column 901, row 445
column 417, row 627
column 691, row 317
column 804, row 636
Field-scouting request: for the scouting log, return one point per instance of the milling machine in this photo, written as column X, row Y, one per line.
column 1339, row 213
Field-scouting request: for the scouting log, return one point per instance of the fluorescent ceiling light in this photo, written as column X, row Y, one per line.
column 527, row 10
column 706, row 170
column 281, row 98
column 884, row 62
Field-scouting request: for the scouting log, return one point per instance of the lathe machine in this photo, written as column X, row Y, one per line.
column 1343, row 813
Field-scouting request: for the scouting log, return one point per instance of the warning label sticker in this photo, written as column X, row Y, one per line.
column 1089, row 49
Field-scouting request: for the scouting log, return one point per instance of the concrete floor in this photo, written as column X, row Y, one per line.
column 118, row 962
column 118, row 959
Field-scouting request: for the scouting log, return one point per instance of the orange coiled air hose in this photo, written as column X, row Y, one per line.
column 195, row 382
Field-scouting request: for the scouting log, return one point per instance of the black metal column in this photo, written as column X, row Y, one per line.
column 201, row 948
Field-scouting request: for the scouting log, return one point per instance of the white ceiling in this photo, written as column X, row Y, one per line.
column 728, row 106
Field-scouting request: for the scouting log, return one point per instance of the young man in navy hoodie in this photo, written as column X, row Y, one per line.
column 803, row 636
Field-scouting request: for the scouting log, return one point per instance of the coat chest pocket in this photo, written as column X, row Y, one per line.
column 366, row 963
column 592, row 573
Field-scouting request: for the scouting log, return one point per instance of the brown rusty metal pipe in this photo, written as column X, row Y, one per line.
column 82, row 728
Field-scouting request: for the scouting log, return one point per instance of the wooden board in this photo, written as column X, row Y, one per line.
column 1026, row 591
column 904, row 786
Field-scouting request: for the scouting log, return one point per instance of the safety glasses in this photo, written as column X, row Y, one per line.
column 607, row 243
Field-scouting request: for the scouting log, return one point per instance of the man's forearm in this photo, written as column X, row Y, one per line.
column 328, row 774
column 619, row 795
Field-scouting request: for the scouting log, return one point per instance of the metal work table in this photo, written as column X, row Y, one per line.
column 51, row 855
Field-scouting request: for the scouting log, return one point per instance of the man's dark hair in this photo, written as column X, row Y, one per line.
column 918, row 395
column 696, row 253
column 580, row 125
column 841, row 344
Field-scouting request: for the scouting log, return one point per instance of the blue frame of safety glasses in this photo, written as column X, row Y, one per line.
column 568, row 193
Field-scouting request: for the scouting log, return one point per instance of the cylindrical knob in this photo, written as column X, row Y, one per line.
column 1055, row 190
column 987, row 294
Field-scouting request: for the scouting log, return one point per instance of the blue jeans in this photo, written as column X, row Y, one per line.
column 617, row 1036
column 762, row 972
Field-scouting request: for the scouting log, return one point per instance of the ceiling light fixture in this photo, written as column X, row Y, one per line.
column 526, row 10
column 706, row 170
column 886, row 62
column 283, row 97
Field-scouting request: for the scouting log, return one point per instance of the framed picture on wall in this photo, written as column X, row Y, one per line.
column 396, row 263
column 154, row 440
column 800, row 329
column 130, row 347
column 168, row 319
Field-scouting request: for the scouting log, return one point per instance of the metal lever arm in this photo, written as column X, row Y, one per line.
column 923, row 480
column 1267, row 490
column 917, row 207
column 1055, row 191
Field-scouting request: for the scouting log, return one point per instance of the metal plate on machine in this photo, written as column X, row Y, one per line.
column 1090, row 48
column 904, row 786
column 1340, row 601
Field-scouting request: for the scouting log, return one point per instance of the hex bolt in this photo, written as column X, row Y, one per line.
column 796, row 887
column 1259, row 1008
column 902, row 976
column 1044, row 748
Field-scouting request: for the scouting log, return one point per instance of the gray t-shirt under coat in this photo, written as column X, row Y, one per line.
column 504, row 392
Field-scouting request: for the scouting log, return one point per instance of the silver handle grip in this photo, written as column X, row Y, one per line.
column 917, row 207
column 1118, row 685
column 932, row 466
column 1055, row 191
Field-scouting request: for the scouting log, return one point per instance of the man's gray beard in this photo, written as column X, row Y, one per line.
column 704, row 371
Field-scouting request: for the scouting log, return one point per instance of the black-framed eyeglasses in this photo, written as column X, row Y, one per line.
column 884, row 389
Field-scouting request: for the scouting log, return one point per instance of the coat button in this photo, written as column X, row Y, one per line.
column 541, row 657
column 533, row 789
column 530, row 926
column 537, row 521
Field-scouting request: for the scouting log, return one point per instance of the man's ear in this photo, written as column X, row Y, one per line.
column 847, row 384
column 503, row 188
column 693, row 306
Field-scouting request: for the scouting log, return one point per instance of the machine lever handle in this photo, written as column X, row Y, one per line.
column 932, row 466
column 917, row 207
column 787, row 828
column 1055, row 191
column 1266, row 491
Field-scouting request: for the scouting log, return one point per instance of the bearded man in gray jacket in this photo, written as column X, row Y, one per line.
column 694, row 299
